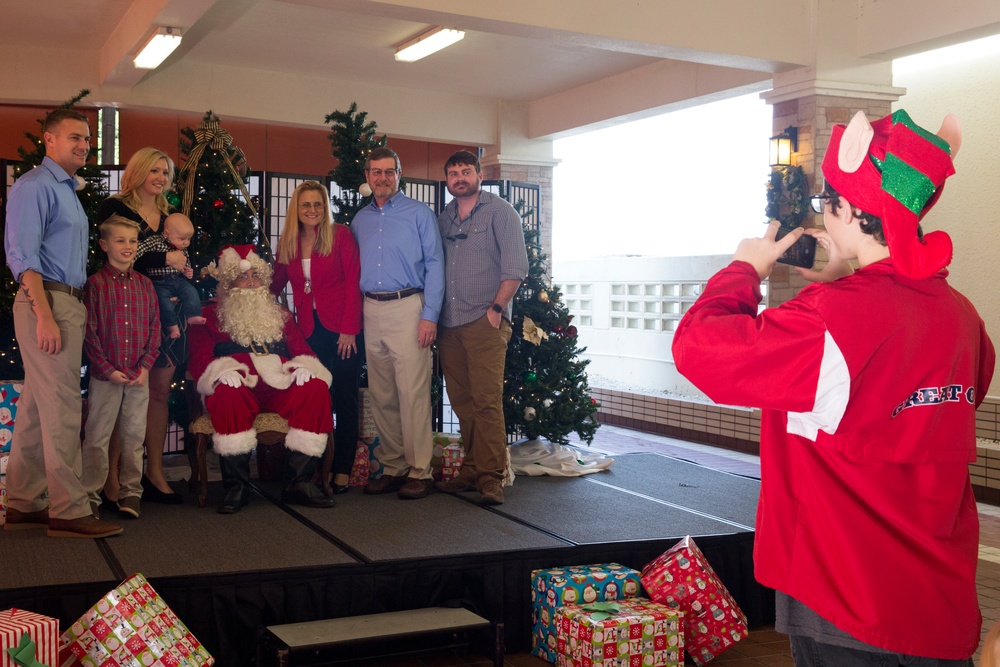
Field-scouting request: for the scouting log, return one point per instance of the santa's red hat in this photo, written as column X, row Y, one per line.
column 234, row 260
column 895, row 169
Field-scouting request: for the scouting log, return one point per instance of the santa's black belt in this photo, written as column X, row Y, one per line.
column 225, row 349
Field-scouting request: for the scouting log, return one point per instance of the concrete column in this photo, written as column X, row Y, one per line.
column 517, row 157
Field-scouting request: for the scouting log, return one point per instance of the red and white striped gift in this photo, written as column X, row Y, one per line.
column 44, row 631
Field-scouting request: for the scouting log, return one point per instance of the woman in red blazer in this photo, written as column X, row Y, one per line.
column 321, row 261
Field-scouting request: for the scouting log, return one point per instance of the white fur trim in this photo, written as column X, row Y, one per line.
column 206, row 383
column 311, row 364
column 310, row 444
column 234, row 443
column 271, row 370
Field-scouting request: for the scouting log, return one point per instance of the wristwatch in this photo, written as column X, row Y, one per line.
column 497, row 308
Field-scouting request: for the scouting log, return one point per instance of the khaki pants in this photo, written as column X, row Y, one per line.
column 45, row 455
column 472, row 357
column 107, row 403
column 399, row 380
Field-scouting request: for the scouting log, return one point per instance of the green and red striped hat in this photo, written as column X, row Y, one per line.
column 894, row 169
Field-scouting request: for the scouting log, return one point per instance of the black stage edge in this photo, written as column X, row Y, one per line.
column 228, row 577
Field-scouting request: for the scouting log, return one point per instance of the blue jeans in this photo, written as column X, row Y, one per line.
column 807, row 652
column 176, row 285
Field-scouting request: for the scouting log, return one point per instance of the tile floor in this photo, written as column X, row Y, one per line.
column 764, row 646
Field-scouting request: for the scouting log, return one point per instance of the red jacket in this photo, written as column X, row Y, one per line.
column 335, row 289
column 868, row 388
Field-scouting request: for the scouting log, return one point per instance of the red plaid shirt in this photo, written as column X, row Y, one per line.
column 123, row 323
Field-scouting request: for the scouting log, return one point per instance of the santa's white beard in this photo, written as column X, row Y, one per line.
column 251, row 315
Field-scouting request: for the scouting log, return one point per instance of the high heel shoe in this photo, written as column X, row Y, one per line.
column 153, row 495
column 339, row 489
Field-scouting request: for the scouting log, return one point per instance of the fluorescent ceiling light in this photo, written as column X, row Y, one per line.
column 156, row 49
column 427, row 43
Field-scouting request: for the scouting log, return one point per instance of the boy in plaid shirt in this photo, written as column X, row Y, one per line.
column 122, row 340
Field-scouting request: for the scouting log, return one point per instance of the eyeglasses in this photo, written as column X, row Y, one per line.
column 377, row 173
column 311, row 204
column 456, row 237
column 818, row 202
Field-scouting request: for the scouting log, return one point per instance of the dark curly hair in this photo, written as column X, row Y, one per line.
column 870, row 224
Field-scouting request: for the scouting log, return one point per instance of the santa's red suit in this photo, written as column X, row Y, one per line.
column 267, row 385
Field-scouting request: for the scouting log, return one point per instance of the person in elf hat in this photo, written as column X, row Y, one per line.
column 249, row 357
column 868, row 383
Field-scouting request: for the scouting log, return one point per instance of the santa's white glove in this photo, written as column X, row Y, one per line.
column 302, row 375
column 230, row 379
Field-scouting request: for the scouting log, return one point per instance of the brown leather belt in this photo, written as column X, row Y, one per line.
column 392, row 296
column 50, row 286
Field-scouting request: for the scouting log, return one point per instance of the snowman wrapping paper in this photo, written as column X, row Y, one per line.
column 10, row 393
column 579, row 584
column 682, row 578
column 629, row 633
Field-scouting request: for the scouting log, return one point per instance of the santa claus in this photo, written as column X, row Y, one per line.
column 249, row 357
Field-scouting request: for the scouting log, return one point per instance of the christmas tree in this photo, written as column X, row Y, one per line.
column 352, row 137
column 93, row 192
column 546, row 393
column 212, row 187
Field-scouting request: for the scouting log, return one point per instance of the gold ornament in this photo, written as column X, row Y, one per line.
column 543, row 296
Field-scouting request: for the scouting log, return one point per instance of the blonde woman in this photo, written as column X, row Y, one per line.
column 147, row 177
column 320, row 259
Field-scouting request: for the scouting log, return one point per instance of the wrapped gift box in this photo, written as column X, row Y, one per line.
column 44, row 631
column 635, row 632
column 366, row 420
column 3, row 487
column 580, row 584
column 447, row 456
column 10, row 393
column 360, row 470
column 131, row 627
column 682, row 578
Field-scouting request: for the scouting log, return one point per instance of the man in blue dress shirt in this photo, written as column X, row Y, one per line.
column 46, row 244
column 402, row 277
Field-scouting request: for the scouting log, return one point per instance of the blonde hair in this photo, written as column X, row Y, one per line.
column 104, row 229
column 991, row 648
column 288, row 244
column 136, row 171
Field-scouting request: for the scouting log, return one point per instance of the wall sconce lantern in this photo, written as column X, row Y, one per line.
column 782, row 147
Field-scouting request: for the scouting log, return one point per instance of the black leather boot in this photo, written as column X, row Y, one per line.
column 236, row 478
column 299, row 489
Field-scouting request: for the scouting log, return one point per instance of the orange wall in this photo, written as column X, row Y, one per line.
column 267, row 147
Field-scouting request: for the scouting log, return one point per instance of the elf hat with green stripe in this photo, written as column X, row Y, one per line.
column 895, row 169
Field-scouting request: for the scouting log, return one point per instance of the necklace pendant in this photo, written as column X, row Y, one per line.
column 309, row 286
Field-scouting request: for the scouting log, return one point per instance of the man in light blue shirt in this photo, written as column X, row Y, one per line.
column 46, row 244
column 402, row 278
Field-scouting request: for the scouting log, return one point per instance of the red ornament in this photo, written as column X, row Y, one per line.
column 593, row 401
column 557, row 329
column 571, row 331
column 218, row 203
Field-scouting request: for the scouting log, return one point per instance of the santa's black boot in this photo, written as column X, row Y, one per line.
column 299, row 489
column 236, row 479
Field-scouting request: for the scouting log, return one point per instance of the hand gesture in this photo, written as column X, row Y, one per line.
column 301, row 375
column 230, row 379
column 762, row 252
column 188, row 272
column 836, row 265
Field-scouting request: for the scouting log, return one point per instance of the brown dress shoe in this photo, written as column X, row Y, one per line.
column 491, row 492
column 385, row 484
column 416, row 488
column 456, row 485
column 21, row 520
column 86, row 527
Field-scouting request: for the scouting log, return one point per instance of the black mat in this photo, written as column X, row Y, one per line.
column 719, row 494
column 585, row 512
column 386, row 528
column 186, row 540
column 30, row 558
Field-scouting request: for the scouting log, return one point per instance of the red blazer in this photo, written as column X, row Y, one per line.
column 335, row 286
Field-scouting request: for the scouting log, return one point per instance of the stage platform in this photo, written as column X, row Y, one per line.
column 227, row 577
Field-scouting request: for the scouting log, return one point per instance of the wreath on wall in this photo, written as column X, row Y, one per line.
column 787, row 201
